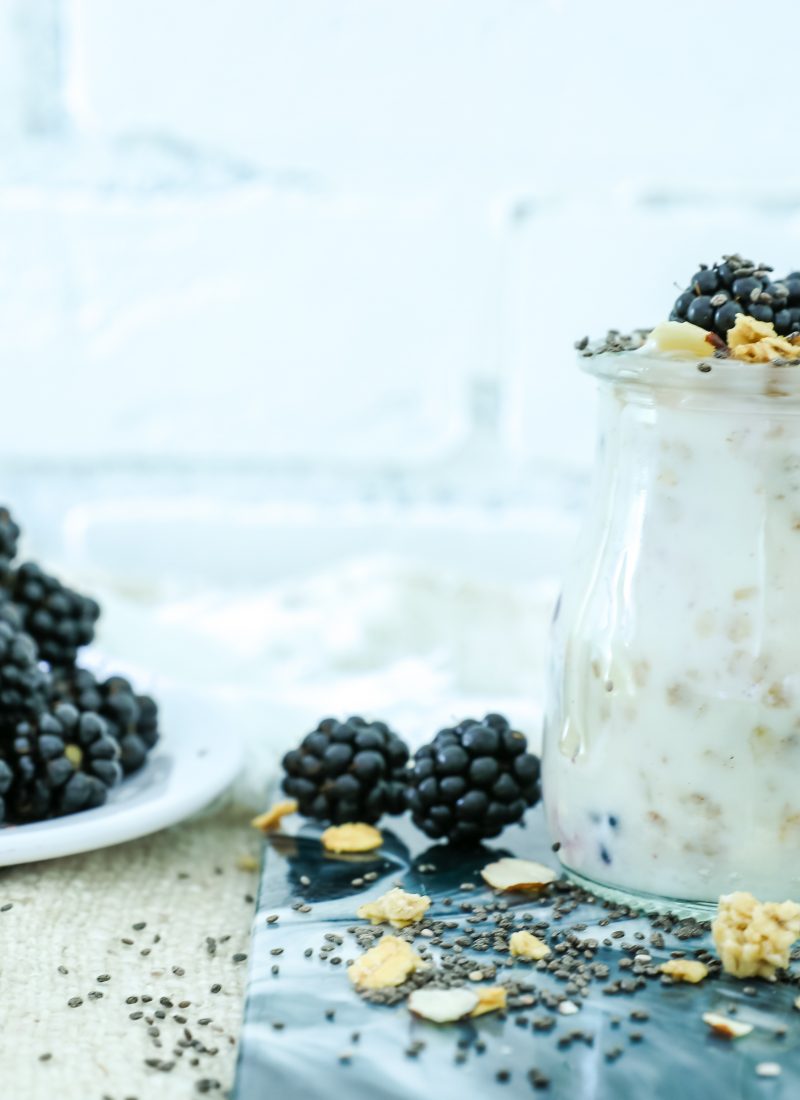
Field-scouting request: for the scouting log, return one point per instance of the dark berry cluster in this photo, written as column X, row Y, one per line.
column 348, row 771
column 472, row 780
column 65, row 737
column 717, row 294
column 58, row 619
column 131, row 719
column 467, row 785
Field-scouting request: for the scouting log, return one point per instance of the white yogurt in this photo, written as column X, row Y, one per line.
column 672, row 739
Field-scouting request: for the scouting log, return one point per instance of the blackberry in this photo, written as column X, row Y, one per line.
column 59, row 620
column 348, row 771
column 61, row 763
column 24, row 684
column 472, row 781
column 716, row 295
column 131, row 719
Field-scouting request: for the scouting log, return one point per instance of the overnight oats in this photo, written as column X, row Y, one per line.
column 671, row 765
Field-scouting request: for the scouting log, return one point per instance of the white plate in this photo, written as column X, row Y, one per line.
column 196, row 759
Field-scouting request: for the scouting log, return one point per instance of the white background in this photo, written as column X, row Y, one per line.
column 288, row 293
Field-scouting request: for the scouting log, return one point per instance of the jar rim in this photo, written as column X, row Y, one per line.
column 639, row 368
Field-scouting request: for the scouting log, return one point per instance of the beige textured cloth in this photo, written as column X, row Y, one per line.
column 74, row 913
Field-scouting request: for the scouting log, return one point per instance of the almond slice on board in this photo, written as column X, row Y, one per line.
column 724, row 1026
column 517, row 874
column 443, row 1006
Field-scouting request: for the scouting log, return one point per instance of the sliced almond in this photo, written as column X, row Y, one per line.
column 274, row 815
column 724, row 1026
column 443, row 1006
column 517, row 874
column 491, row 999
column 355, row 836
column 387, row 964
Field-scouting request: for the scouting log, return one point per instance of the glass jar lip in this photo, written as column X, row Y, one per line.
column 642, row 368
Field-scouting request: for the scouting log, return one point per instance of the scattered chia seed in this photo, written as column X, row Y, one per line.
column 216, row 988
column 45, row 1057
column 75, row 1002
column 240, row 956
column 5, row 908
column 139, row 926
column 104, row 977
column 63, row 970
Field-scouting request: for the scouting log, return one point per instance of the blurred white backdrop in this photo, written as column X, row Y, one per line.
column 288, row 293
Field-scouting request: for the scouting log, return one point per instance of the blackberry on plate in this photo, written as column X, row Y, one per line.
column 23, row 682
column 61, row 763
column 716, row 295
column 348, row 771
column 59, row 620
column 472, row 781
column 131, row 719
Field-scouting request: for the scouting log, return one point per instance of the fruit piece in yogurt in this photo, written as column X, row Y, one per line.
column 681, row 338
column 753, row 938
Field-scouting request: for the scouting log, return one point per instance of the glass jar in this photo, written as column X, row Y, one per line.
column 671, row 761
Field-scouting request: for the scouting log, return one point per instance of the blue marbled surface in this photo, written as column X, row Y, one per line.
column 677, row 1057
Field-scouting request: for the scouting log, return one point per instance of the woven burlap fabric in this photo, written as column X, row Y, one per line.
column 184, row 883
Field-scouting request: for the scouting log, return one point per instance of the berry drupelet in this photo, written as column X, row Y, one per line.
column 131, row 719
column 348, row 771
column 716, row 295
column 472, row 781
column 59, row 620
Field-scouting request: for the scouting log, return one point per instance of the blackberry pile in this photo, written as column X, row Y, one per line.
column 472, row 781
column 348, row 771
column 716, row 294
column 466, row 786
column 65, row 738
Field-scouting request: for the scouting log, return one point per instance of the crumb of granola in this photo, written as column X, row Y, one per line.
column 396, row 907
column 247, row 863
column 387, row 964
column 491, row 999
column 685, row 970
column 355, row 836
column 525, row 945
column 757, row 341
column 274, row 815
column 753, row 938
